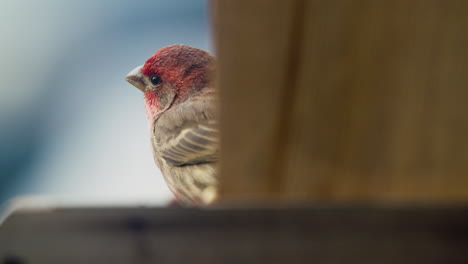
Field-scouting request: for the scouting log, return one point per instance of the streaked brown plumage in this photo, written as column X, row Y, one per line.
column 181, row 105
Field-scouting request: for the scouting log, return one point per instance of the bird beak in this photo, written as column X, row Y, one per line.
column 135, row 78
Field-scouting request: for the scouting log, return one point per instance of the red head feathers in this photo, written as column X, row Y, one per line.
column 187, row 68
column 172, row 75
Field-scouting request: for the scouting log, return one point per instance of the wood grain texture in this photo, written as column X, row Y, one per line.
column 252, row 80
column 374, row 110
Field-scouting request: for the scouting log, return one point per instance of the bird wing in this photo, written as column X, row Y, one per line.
column 188, row 133
column 192, row 146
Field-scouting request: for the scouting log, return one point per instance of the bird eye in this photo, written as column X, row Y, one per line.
column 155, row 80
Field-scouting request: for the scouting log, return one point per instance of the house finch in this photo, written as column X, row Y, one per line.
column 181, row 107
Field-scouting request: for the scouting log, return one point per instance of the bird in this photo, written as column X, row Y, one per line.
column 181, row 103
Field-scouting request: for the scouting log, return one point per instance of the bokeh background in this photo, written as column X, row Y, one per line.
column 71, row 128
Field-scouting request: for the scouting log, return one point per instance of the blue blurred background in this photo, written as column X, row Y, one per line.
column 71, row 128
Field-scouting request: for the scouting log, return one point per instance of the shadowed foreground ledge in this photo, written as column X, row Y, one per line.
column 353, row 234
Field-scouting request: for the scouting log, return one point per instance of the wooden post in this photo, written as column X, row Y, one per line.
column 343, row 100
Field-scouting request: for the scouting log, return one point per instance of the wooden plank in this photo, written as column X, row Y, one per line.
column 373, row 102
column 325, row 235
column 252, row 46
column 381, row 108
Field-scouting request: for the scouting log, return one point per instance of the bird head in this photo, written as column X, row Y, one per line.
column 172, row 75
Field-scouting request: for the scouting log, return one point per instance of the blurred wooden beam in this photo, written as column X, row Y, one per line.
column 343, row 100
column 253, row 44
column 326, row 235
